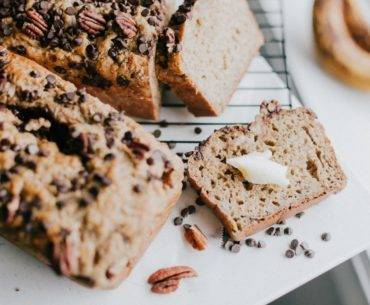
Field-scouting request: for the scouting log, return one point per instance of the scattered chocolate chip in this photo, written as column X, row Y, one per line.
column 299, row 215
column 288, row 231
column 198, row 130
column 277, row 232
column 191, row 209
column 309, row 253
column 270, row 231
column 199, row 202
column 157, row 133
column 250, row 242
column 289, row 253
column 184, row 212
column 294, row 244
column 16, row 289
column 178, row 221
column 325, row 236
column 228, row 244
column 163, row 124
column 136, row 188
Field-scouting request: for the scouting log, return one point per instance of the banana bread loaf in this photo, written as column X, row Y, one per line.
column 106, row 46
column 205, row 52
column 296, row 139
column 83, row 187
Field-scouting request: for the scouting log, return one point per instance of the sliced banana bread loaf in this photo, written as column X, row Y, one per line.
column 296, row 139
column 83, row 187
column 206, row 50
column 106, row 46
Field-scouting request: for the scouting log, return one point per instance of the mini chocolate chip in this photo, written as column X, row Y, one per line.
column 270, row 231
column 163, row 123
column 157, row 133
column 250, row 242
column 294, row 244
column 136, row 188
column 289, row 253
column 288, row 231
column 198, row 130
column 178, row 221
column 34, row 74
column 184, row 212
column 199, row 202
column 309, row 253
column 191, row 209
column 277, row 232
column 150, row 161
column 325, row 236
column 299, row 215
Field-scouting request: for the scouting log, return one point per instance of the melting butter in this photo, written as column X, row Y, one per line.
column 257, row 168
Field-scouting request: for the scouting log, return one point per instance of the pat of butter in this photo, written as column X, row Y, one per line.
column 257, row 168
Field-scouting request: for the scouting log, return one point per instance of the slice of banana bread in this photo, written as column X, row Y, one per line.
column 83, row 187
column 206, row 50
column 296, row 139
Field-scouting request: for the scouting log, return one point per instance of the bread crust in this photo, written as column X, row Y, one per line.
column 282, row 213
column 184, row 87
column 139, row 95
column 139, row 218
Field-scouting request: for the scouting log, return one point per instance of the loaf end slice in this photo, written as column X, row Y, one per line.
column 296, row 139
column 83, row 187
column 206, row 51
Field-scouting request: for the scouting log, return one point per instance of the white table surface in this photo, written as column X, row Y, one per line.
column 252, row 276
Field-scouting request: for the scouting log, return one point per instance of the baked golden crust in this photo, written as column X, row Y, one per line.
column 83, row 187
column 107, row 47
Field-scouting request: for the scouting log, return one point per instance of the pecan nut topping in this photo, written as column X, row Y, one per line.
column 36, row 27
column 92, row 22
column 126, row 24
column 167, row 280
column 195, row 237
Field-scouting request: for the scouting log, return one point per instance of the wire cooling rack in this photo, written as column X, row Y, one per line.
column 268, row 78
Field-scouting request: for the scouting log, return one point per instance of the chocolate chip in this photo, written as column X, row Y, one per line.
column 187, row 226
column 299, row 215
column 309, row 253
column 289, row 253
column 325, row 236
column 199, row 202
column 157, row 133
column 228, row 244
column 178, row 221
column 163, row 123
column 270, row 231
column 198, row 130
column 288, row 231
column 294, row 244
column 150, row 161
column 250, row 242
column 136, row 188
column 191, row 209
column 122, row 81
column 92, row 51
column 277, row 232
column 184, row 212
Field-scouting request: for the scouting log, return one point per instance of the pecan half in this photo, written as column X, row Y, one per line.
column 126, row 24
column 92, row 22
column 167, row 280
column 195, row 237
column 36, row 27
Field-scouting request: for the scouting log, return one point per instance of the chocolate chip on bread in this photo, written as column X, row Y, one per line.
column 205, row 52
column 106, row 46
column 83, row 187
column 296, row 140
